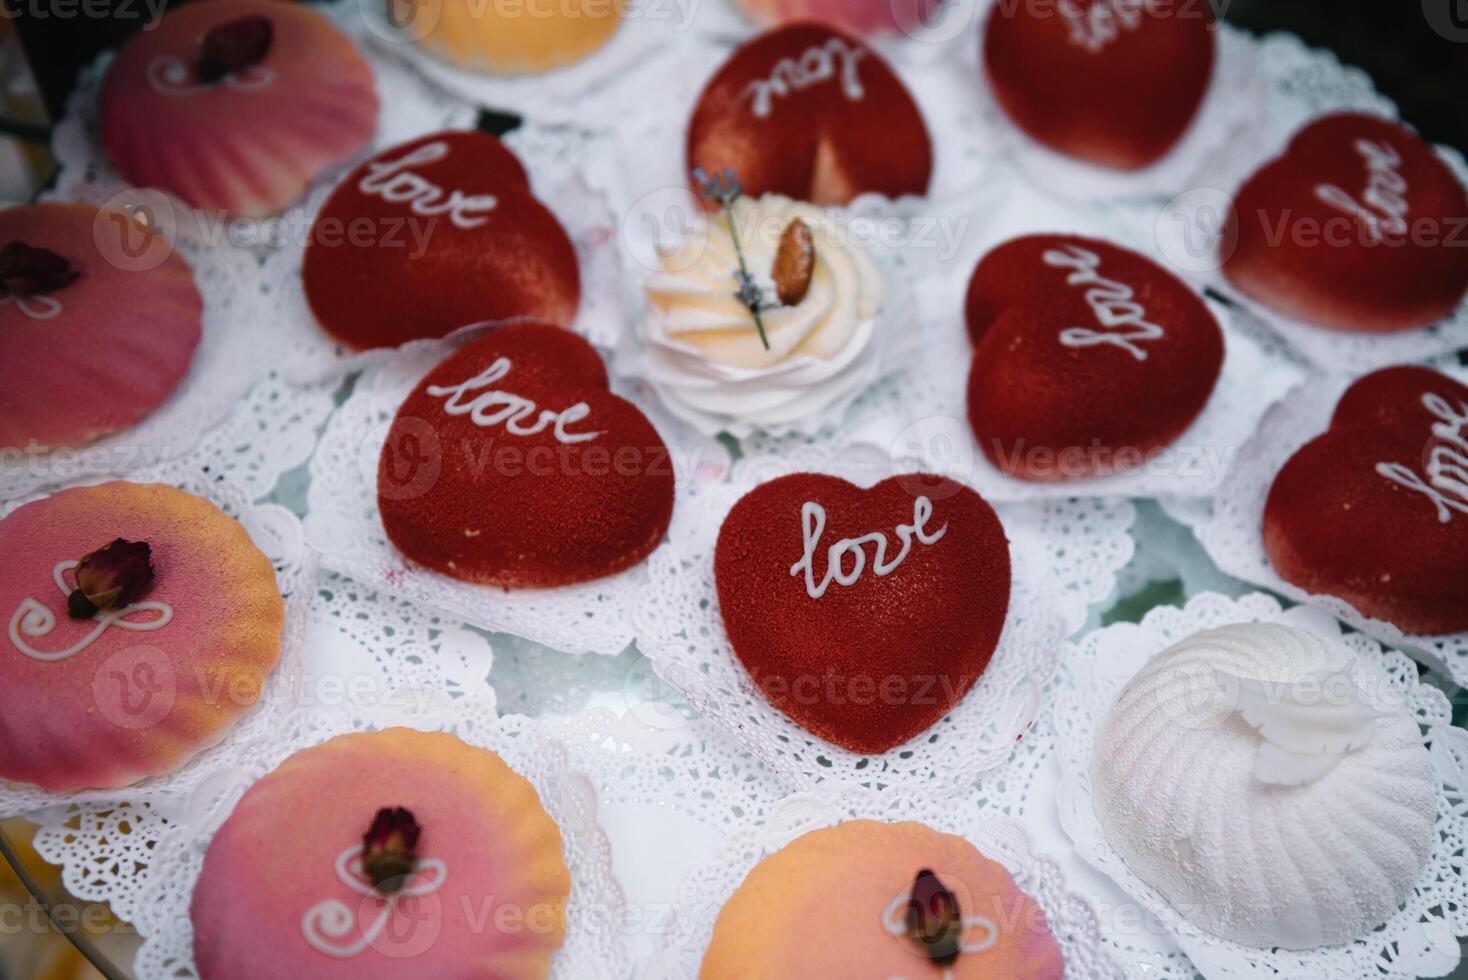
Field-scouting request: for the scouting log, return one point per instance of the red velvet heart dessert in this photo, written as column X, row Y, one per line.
column 1115, row 82
column 511, row 464
column 433, row 235
column 813, row 114
column 1087, row 357
column 1375, row 510
column 1358, row 226
column 863, row 615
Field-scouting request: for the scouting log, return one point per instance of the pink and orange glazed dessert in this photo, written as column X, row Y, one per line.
column 383, row 855
column 857, row 16
column 813, row 114
column 86, row 348
column 142, row 623
column 236, row 105
column 1357, row 226
column 459, row 239
column 509, row 37
column 512, row 464
column 870, row 899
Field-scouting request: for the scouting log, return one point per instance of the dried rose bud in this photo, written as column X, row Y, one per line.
column 390, row 849
column 234, row 46
column 795, row 263
column 111, row 578
column 28, row 271
column 934, row 920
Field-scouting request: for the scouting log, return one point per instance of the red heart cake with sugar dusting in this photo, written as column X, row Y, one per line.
column 813, row 114
column 1375, row 510
column 512, row 464
column 1114, row 82
column 1358, row 226
column 433, row 235
column 1087, row 357
column 864, row 615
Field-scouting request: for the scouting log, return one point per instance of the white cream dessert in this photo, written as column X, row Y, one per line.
column 703, row 348
column 1246, row 777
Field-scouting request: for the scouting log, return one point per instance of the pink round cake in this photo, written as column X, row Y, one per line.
column 857, row 16
column 142, row 622
column 235, row 105
column 380, row 856
column 86, row 348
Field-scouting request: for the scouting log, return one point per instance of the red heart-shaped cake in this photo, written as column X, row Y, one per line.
column 433, row 235
column 1358, row 226
column 1087, row 357
column 1375, row 510
column 864, row 615
column 1115, row 82
column 511, row 464
column 813, row 114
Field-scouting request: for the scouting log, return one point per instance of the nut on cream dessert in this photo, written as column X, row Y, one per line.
column 766, row 320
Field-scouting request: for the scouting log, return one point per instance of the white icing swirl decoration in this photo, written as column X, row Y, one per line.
column 700, row 345
column 34, row 620
column 171, row 76
column 35, row 307
column 394, row 181
column 1113, row 303
column 813, row 525
column 329, row 925
column 833, row 61
column 1095, row 26
column 1447, row 461
column 1383, row 205
column 518, row 414
column 894, row 920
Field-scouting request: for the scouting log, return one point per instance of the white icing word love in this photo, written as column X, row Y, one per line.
column 894, row 920
column 169, row 76
column 327, row 923
column 1385, row 207
column 35, row 307
column 813, row 525
column 1098, row 25
column 35, row 620
column 1112, row 302
column 392, row 181
column 820, row 64
column 1447, row 465
column 490, row 408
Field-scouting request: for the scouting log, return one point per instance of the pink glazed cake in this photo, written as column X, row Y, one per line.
column 86, row 348
column 142, row 622
column 379, row 856
column 857, row 16
column 236, row 105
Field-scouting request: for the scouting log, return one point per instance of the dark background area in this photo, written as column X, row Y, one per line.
column 1416, row 50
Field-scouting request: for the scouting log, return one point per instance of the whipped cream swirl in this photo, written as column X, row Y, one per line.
column 703, row 351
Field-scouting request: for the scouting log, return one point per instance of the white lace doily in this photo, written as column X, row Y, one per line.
column 233, row 354
column 410, row 106
column 1419, row 940
column 594, row 947
column 680, row 629
column 344, row 524
column 708, row 887
column 1230, row 109
column 1233, row 534
column 1302, row 83
column 555, row 164
column 278, row 535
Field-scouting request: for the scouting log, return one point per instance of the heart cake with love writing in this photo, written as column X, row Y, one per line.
column 1375, row 509
column 1088, row 358
column 865, row 615
column 512, row 464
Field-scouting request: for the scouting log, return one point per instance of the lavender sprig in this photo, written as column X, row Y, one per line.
column 724, row 189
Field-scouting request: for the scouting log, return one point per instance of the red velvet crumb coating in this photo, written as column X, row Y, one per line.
column 1375, row 510
column 869, row 665
column 813, row 114
column 389, row 260
column 1113, row 82
column 1358, row 226
column 1047, row 409
column 506, row 502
